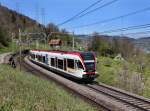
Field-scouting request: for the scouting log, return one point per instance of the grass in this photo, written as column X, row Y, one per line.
column 109, row 70
column 5, row 49
column 12, row 47
column 20, row 91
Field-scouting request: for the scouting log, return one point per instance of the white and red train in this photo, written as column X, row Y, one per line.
column 80, row 65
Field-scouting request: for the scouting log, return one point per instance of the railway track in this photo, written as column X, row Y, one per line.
column 130, row 100
column 110, row 98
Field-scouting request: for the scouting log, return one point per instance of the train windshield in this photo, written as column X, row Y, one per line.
column 90, row 66
column 87, row 56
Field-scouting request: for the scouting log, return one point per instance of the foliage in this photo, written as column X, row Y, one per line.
column 12, row 21
column 4, row 39
column 128, row 75
column 111, row 46
column 51, row 28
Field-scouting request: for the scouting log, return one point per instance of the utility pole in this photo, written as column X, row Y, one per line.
column 73, row 41
column 20, row 48
column 43, row 15
column 18, row 7
column 37, row 44
column 37, row 12
column 12, row 40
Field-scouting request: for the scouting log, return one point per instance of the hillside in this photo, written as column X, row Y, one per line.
column 11, row 21
column 143, row 43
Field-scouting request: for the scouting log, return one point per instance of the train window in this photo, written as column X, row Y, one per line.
column 70, row 63
column 79, row 64
column 41, row 58
column 38, row 57
column 60, row 63
column 44, row 59
column 90, row 66
column 65, row 67
column 53, row 62
column 33, row 56
column 87, row 56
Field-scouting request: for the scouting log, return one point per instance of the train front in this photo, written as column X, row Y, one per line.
column 89, row 61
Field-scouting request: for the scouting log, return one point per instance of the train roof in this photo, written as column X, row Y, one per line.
column 83, row 55
column 62, row 52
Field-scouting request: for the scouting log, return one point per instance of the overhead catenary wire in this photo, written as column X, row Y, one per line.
column 91, row 11
column 112, row 19
column 126, row 28
column 106, row 4
column 128, row 33
column 78, row 14
column 135, row 33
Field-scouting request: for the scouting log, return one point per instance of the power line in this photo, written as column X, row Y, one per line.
column 128, row 28
column 130, row 33
column 145, row 32
column 112, row 19
column 72, row 18
column 81, row 15
column 108, row 3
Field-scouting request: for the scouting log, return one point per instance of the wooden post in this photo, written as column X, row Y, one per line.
column 73, row 42
column 20, row 48
column 12, row 38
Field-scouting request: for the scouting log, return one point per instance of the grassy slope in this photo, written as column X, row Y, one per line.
column 25, row 92
column 5, row 49
column 11, row 47
column 109, row 74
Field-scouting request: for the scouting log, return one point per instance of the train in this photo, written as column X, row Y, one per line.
column 77, row 65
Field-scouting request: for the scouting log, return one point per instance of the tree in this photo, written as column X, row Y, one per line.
column 95, row 42
column 13, row 18
column 4, row 39
column 51, row 28
column 115, row 46
column 126, row 47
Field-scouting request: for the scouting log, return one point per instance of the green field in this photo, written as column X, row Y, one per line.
column 125, row 75
column 21, row 91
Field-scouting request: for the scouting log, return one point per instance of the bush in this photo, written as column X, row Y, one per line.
column 108, row 62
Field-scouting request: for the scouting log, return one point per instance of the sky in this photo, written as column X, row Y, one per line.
column 57, row 11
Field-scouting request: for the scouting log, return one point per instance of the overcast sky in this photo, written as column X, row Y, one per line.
column 57, row 11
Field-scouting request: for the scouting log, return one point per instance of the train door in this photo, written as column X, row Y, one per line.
column 46, row 59
column 49, row 60
column 60, row 63
column 52, row 62
column 56, row 64
column 36, row 57
column 65, row 64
